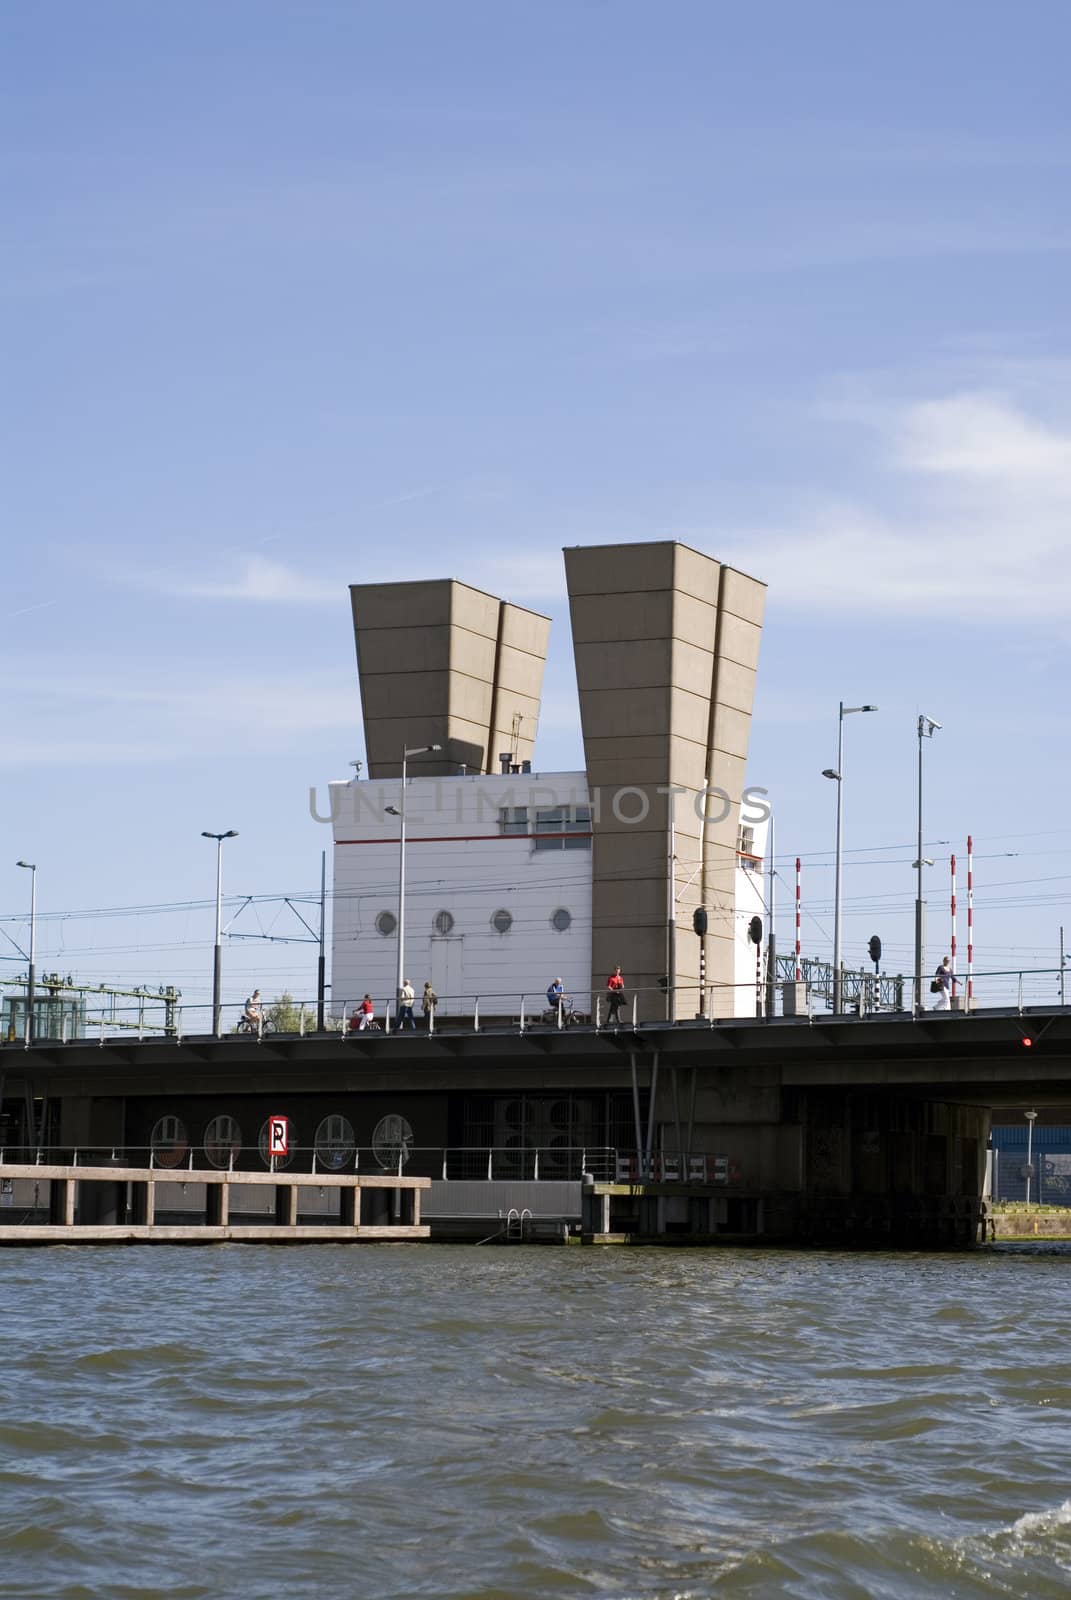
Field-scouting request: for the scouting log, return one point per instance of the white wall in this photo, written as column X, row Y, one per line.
column 458, row 861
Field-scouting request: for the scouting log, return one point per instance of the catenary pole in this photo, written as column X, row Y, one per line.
column 842, row 712
column 837, row 871
column 217, row 954
column 321, row 962
column 920, row 932
column 926, row 729
column 31, row 977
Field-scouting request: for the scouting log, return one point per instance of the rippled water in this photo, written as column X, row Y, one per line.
column 447, row 1421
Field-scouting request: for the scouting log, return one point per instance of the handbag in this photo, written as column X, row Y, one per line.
column 935, row 987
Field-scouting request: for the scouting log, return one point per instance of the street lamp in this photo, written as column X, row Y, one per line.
column 217, row 969
column 927, row 728
column 1031, row 1118
column 837, row 775
column 420, row 750
column 31, row 868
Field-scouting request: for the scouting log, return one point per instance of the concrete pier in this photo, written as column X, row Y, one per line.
column 81, row 1199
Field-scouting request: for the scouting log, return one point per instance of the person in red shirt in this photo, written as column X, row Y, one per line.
column 367, row 1013
column 615, row 994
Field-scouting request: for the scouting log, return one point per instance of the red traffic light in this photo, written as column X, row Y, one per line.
column 1028, row 1043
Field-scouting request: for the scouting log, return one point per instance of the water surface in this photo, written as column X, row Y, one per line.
column 388, row 1420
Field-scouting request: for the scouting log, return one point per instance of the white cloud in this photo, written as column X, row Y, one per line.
column 78, row 753
column 228, row 713
column 252, row 578
column 262, row 580
column 983, row 436
column 974, row 524
column 233, row 703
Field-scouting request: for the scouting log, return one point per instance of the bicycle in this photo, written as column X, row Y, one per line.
column 254, row 1025
column 570, row 1017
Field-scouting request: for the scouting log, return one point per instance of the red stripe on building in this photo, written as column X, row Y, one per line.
column 463, row 838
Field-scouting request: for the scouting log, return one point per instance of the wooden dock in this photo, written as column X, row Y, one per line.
column 370, row 1208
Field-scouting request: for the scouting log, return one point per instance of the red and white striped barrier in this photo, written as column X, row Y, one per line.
column 953, row 924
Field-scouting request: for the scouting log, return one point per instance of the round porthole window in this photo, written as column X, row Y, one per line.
column 291, row 1147
column 223, row 1141
column 561, row 919
column 386, row 923
column 334, row 1143
column 502, row 921
column 444, row 921
column 168, row 1142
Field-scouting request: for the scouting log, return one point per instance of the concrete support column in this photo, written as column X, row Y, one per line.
column 217, row 1204
column 349, row 1206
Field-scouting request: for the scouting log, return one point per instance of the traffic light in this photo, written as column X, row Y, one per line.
column 875, row 949
column 699, row 921
column 754, row 930
column 1028, row 1043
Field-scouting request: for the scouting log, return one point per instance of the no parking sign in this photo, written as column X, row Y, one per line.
column 278, row 1136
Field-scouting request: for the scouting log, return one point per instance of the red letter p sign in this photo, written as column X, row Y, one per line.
column 278, row 1136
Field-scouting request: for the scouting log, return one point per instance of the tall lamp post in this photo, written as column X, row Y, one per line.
column 838, row 776
column 31, row 868
column 1031, row 1118
column 927, row 728
column 420, row 750
column 217, row 968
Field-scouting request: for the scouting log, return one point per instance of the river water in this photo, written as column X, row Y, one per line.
column 389, row 1420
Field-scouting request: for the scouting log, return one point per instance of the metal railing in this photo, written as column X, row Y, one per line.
column 865, row 994
column 455, row 1163
column 860, row 989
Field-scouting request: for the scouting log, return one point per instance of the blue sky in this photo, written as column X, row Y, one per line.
column 300, row 294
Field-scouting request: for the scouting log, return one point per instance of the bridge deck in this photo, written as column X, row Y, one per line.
column 980, row 1055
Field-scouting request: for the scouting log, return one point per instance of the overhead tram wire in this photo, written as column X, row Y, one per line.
column 505, row 886
column 311, row 895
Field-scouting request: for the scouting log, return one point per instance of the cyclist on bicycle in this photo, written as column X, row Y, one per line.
column 253, row 1014
column 559, row 1004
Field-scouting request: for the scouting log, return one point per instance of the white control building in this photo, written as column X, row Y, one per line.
column 498, row 894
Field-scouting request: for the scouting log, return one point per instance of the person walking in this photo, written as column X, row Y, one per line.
column 406, row 996
column 428, row 1004
column 942, row 986
column 615, row 994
